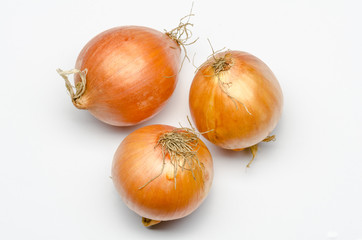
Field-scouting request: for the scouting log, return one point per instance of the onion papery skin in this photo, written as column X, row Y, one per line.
column 137, row 161
column 252, row 111
column 131, row 73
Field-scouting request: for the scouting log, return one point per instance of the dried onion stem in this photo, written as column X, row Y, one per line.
column 79, row 87
column 254, row 149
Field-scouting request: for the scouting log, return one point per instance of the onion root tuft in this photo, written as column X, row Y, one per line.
column 181, row 145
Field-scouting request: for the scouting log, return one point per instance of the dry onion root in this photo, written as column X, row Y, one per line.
column 162, row 173
column 237, row 95
column 125, row 75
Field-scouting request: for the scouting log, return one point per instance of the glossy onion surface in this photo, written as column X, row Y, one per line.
column 138, row 159
column 237, row 106
column 131, row 73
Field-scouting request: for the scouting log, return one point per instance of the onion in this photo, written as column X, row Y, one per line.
column 162, row 172
column 236, row 99
column 125, row 75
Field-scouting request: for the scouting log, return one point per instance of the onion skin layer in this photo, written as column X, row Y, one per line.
column 253, row 88
column 132, row 72
column 137, row 161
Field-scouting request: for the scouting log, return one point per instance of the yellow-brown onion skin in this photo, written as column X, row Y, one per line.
column 132, row 72
column 137, row 161
column 251, row 83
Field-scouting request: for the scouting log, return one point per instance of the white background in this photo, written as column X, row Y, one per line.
column 56, row 160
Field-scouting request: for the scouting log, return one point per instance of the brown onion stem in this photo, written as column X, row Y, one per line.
column 149, row 222
column 269, row 138
column 254, row 148
column 79, row 87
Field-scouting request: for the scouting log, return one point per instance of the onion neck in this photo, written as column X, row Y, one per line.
column 222, row 64
column 77, row 91
column 79, row 103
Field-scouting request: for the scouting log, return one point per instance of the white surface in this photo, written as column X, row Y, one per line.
column 55, row 160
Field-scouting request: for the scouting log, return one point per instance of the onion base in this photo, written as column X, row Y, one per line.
column 149, row 222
